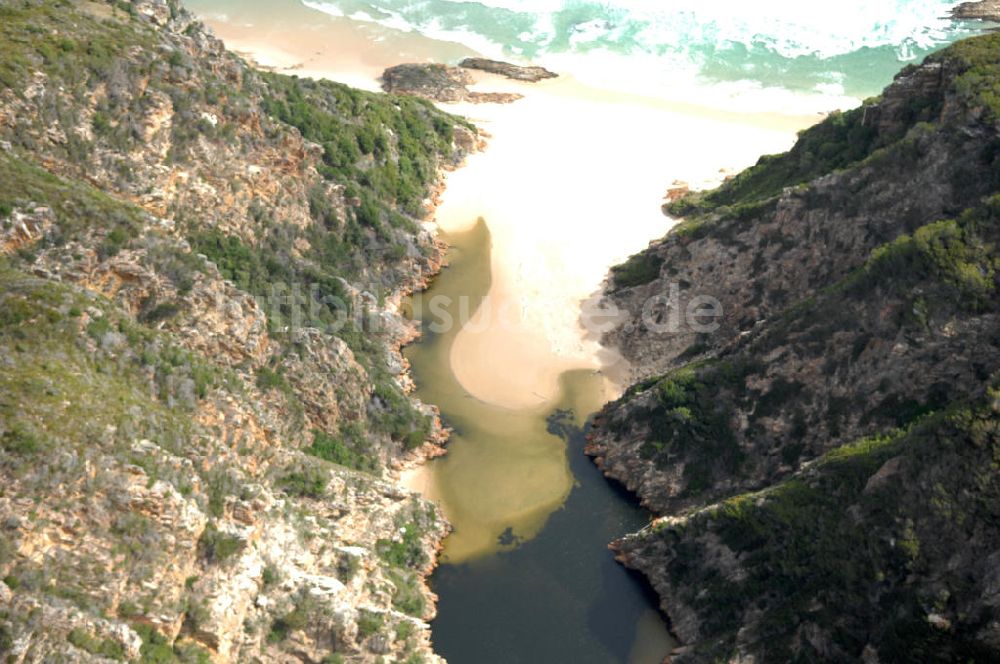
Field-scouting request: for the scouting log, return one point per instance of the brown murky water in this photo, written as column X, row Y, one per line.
column 505, row 473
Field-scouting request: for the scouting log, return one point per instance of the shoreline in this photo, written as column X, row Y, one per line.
column 289, row 38
column 598, row 193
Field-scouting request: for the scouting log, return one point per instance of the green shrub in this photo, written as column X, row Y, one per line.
column 156, row 649
column 101, row 122
column 269, row 379
column 19, row 440
column 6, row 639
column 350, row 123
column 393, row 413
column 369, row 622
column 269, row 576
column 310, row 481
column 347, row 567
column 216, row 546
column 15, row 311
column 406, row 595
column 407, row 552
column 404, row 630
column 337, row 450
column 108, row 648
column 113, row 243
column 638, row 270
column 690, row 418
column 294, row 620
column 160, row 312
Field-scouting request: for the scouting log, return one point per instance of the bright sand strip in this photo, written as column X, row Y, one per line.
column 288, row 37
column 571, row 184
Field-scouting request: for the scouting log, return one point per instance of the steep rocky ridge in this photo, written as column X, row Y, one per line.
column 857, row 276
column 883, row 551
column 193, row 443
column 799, row 222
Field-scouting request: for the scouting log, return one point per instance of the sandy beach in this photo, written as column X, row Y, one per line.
column 571, row 183
column 288, row 37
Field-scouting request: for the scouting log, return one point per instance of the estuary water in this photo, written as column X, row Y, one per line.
column 527, row 576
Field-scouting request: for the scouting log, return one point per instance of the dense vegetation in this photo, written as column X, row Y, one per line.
column 707, row 415
column 889, row 539
column 384, row 151
column 827, row 464
column 383, row 145
column 150, row 417
column 847, row 138
column 637, row 270
column 840, row 140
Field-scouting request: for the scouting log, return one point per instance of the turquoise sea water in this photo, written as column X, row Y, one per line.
column 849, row 48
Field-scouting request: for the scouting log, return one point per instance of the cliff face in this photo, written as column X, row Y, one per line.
column 194, row 443
column 858, row 288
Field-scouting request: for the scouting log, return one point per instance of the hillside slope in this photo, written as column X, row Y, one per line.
column 858, row 281
column 202, row 388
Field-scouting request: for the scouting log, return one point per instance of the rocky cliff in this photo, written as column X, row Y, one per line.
column 823, row 461
column 202, row 395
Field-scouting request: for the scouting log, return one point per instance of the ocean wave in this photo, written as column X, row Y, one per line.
column 849, row 48
column 789, row 28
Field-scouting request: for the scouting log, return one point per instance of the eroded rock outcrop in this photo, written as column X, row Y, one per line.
column 439, row 82
column 508, row 70
column 984, row 10
column 195, row 445
column 816, row 451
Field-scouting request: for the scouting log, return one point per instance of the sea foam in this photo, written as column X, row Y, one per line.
column 827, row 55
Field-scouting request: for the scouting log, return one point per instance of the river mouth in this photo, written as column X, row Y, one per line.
column 526, row 576
column 569, row 186
column 504, row 472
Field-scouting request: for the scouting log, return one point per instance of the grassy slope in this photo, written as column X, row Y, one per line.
column 855, row 558
column 841, row 141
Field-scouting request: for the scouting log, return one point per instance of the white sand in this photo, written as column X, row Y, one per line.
column 291, row 38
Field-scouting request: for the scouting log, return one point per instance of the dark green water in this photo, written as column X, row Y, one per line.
column 558, row 596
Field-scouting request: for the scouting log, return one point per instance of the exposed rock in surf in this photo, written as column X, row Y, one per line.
column 515, row 72
column 984, row 10
column 438, row 82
